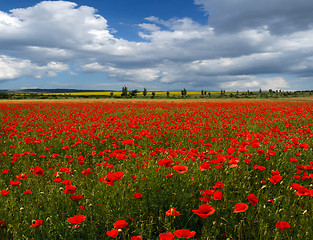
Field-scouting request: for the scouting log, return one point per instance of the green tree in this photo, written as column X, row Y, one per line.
column 134, row 93
column 124, row 91
column 144, row 92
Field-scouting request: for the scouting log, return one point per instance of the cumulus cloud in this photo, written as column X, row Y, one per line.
column 244, row 45
column 13, row 68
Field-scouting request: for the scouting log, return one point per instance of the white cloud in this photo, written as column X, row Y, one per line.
column 13, row 68
column 254, row 83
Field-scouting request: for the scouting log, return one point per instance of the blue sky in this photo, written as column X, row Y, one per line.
column 157, row 44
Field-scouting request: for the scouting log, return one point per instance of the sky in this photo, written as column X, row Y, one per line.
column 157, row 44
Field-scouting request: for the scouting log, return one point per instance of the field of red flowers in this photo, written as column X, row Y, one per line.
column 156, row 170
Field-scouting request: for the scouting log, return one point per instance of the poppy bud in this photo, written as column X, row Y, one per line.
column 48, row 220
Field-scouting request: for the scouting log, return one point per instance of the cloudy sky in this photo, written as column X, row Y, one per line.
column 157, row 44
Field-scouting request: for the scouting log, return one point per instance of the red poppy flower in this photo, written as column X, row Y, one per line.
column 67, row 182
column 135, row 238
column 36, row 223
column 82, row 207
column 219, row 185
column 180, row 168
column 275, row 179
column 113, row 233
column 204, row 210
column 207, row 192
column 260, row 168
column 172, row 212
column 38, row 171
column 127, row 141
column 169, row 175
column 184, row 233
column 27, row 192
column 166, row 162
column 57, row 180
column 70, row 189
column 5, row 171
column 22, row 176
column 240, row 207
column 15, row 183
column 252, row 199
column 109, row 178
column 204, row 166
column 137, row 195
column 282, row 225
column 293, row 159
column 120, row 224
column 166, row 236
column 2, row 223
column 77, row 219
column 5, row 192
column 86, row 171
column 205, row 199
column 76, row 197
column 118, row 175
column 217, row 195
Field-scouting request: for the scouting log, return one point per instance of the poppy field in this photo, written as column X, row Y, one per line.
column 156, row 170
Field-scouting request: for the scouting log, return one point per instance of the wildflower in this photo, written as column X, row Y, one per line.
column 137, row 195
column 86, row 171
column 77, row 219
column 76, row 197
column 217, row 195
column 22, row 176
column 275, row 179
column 2, row 223
column 70, row 189
column 38, row 171
column 252, row 199
column 166, row 236
column 113, row 233
column 120, row 224
column 282, row 225
column 180, row 168
column 240, row 207
column 172, row 212
column 204, row 210
column 135, row 238
column 204, row 166
column 184, row 233
column 36, row 223
column 5, row 192
column 15, row 183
